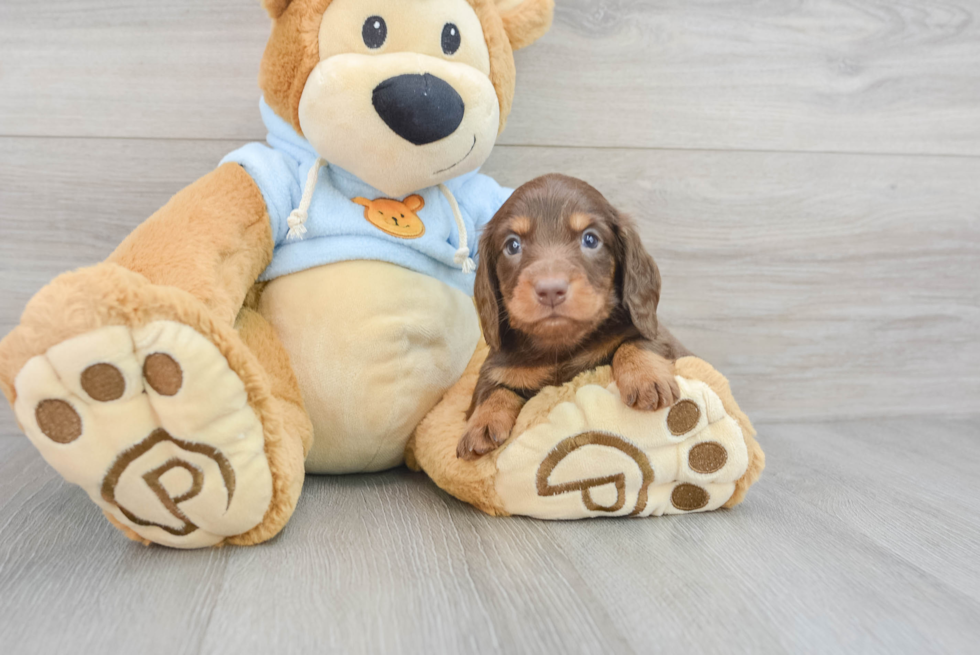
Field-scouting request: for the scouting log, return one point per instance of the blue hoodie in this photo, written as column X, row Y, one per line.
column 337, row 228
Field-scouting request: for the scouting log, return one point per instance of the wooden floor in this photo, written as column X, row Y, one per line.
column 807, row 174
column 862, row 538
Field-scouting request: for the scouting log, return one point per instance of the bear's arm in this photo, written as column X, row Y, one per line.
column 212, row 239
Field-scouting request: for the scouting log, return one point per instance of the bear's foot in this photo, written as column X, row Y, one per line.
column 594, row 456
column 155, row 426
column 578, row 451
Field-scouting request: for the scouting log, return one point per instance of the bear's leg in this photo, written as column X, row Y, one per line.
column 132, row 381
column 287, row 454
column 185, row 431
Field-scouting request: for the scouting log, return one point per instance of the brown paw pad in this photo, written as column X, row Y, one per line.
column 163, row 374
column 58, row 421
column 103, row 382
column 683, row 417
column 689, row 497
column 95, row 405
column 707, row 457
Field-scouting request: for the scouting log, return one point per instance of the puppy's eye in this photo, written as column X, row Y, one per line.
column 450, row 39
column 374, row 32
column 591, row 240
column 512, row 246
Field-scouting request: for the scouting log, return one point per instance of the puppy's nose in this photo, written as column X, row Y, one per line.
column 551, row 291
column 419, row 108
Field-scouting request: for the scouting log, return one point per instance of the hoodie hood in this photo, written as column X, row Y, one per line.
column 345, row 219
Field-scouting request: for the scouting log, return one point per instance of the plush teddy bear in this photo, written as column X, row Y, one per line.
column 303, row 307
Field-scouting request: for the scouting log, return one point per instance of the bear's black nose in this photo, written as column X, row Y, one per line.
column 419, row 108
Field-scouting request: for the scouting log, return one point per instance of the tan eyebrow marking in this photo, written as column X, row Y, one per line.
column 579, row 221
column 520, row 225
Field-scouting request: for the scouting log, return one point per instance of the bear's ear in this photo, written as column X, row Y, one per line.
column 363, row 202
column 276, row 8
column 525, row 21
column 414, row 203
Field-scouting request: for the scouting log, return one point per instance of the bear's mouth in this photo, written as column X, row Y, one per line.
column 470, row 152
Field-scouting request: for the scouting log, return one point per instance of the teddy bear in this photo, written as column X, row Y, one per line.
column 257, row 327
column 306, row 308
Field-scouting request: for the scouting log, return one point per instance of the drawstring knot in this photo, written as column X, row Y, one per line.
column 464, row 261
column 297, row 219
column 297, row 224
column 462, row 257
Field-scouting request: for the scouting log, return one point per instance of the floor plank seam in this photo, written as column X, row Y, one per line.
column 758, row 151
column 217, row 598
column 484, row 610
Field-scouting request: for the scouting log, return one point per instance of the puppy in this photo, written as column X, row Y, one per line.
column 564, row 285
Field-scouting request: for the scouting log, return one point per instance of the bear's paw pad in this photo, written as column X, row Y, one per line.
column 155, row 426
column 594, row 456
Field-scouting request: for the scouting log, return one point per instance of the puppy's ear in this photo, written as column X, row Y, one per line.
column 525, row 21
column 640, row 280
column 486, row 292
column 276, row 8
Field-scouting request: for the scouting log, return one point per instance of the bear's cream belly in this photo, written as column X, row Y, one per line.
column 374, row 347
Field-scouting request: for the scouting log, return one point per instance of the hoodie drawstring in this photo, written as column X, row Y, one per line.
column 298, row 217
column 462, row 257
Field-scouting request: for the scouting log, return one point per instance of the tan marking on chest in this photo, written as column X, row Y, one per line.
column 598, row 355
column 523, row 377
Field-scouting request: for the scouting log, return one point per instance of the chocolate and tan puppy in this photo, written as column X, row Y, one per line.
column 564, row 286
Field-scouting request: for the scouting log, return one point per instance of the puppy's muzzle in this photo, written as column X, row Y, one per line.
column 421, row 109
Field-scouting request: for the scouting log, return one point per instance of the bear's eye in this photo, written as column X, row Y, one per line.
column 374, row 32
column 450, row 39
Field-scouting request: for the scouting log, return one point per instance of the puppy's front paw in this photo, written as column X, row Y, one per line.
column 645, row 379
column 647, row 390
column 489, row 426
column 477, row 441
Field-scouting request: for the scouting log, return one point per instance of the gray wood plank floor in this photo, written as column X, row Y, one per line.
column 863, row 538
column 806, row 173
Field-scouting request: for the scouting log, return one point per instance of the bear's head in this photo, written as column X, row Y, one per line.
column 404, row 94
